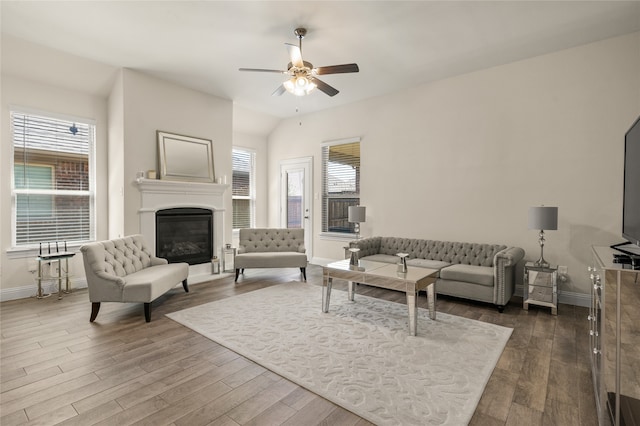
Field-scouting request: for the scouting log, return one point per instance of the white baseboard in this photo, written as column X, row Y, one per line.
column 196, row 275
column 27, row 291
column 566, row 297
column 24, row 292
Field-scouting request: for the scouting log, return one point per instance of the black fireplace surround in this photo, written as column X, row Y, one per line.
column 184, row 235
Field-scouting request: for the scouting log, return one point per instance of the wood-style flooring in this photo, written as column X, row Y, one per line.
column 57, row 368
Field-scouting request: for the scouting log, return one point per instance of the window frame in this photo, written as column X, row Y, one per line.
column 21, row 250
column 325, row 233
column 252, row 187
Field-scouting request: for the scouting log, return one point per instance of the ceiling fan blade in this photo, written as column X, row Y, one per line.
column 337, row 69
column 279, row 91
column 261, row 70
column 324, row 87
column 295, row 54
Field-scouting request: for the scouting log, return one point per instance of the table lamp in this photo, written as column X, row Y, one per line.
column 543, row 218
column 357, row 215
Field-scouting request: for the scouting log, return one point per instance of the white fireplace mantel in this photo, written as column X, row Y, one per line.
column 165, row 194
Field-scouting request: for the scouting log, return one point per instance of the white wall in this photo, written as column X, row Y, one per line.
column 463, row 159
column 40, row 96
column 250, row 130
column 127, row 119
column 115, row 159
column 151, row 104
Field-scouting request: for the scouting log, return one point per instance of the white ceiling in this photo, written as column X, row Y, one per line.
column 201, row 44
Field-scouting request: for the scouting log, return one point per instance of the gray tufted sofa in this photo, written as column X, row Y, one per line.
column 483, row 272
column 271, row 248
column 124, row 270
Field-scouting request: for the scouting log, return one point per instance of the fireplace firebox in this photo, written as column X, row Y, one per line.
column 184, row 235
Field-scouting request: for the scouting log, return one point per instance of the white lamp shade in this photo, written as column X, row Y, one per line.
column 357, row 214
column 543, row 218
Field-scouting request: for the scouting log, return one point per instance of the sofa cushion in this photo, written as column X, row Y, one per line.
column 482, row 275
column 384, row 258
column 280, row 259
column 427, row 263
column 150, row 283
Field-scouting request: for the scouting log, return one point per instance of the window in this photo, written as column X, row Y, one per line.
column 242, row 190
column 53, row 180
column 340, row 184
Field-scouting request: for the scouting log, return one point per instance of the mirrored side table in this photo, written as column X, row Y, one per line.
column 228, row 256
column 541, row 286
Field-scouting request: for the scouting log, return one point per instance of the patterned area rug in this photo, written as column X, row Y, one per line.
column 359, row 355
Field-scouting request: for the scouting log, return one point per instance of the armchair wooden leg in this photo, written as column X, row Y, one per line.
column 304, row 273
column 95, row 307
column 147, row 312
column 186, row 287
column 237, row 273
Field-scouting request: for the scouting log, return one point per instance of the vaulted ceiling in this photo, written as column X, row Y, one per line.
column 397, row 44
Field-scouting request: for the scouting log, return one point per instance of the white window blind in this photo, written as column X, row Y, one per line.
column 242, row 190
column 340, row 185
column 52, row 179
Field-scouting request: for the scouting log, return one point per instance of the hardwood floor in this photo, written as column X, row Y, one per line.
column 57, row 368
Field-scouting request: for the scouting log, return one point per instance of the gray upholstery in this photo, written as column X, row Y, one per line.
column 125, row 270
column 483, row 272
column 271, row 248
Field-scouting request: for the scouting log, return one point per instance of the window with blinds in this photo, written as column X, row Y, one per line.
column 242, row 190
column 52, row 192
column 340, row 184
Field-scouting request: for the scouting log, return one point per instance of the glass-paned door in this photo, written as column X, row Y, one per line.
column 295, row 197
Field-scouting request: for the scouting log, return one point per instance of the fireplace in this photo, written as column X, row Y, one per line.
column 184, row 235
column 157, row 195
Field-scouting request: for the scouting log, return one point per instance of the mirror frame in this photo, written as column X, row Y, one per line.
column 169, row 167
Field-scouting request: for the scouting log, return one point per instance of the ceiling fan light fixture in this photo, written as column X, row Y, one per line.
column 299, row 86
column 302, row 74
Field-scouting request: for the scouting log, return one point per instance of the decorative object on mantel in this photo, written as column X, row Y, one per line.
column 151, row 174
column 543, row 218
column 357, row 215
column 185, row 158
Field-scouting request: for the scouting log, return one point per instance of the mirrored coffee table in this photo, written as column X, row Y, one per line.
column 383, row 275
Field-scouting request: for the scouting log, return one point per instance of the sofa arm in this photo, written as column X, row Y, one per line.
column 368, row 246
column 158, row 261
column 504, row 270
column 102, row 278
column 104, row 287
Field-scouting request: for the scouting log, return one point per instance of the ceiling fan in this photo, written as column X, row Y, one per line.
column 303, row 76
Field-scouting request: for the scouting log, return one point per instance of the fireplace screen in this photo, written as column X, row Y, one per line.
column 184, row 235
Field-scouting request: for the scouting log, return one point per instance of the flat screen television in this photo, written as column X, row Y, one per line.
column 631, row 193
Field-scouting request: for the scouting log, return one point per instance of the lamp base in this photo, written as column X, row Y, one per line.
column 541, row 263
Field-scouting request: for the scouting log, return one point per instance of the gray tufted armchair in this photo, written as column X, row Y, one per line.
column 124, row 270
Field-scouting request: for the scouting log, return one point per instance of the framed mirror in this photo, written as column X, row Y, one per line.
column 185, row 158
